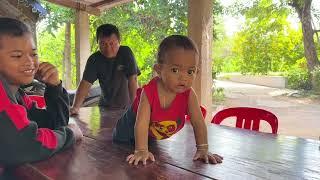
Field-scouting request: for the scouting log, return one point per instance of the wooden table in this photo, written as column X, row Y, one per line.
column 247, row 155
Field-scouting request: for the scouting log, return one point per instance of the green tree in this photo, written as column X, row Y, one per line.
column 274, row 12
column 57, row 17
column 303, row 9
column 267, row 42
column 142, row 23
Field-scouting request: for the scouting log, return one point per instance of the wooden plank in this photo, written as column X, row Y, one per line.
column 107, row 4
column 103, row 160
column 77, row 5
column 28, row 172
column 100, row 3
column 247, row 154
column 98, row 122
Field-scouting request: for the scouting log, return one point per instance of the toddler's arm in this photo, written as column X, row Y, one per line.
column 200, row 132
column 141, row 129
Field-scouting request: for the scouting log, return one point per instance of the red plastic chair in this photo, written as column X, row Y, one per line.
column 248, row 118
column 203, row 111
column 39, row 100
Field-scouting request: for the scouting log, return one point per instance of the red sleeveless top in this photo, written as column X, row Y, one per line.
column 163, row 122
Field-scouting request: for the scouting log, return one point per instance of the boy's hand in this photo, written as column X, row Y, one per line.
column 76, row 131
column 74, row 111
column 207, row 157
column 142, row 155
column 48, row 74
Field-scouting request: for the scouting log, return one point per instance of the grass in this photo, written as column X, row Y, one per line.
column 218, row 96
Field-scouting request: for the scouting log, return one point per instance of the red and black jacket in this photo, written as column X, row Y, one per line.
column 28, row 133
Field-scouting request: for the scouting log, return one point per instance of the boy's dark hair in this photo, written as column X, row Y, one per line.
column 106, row 30
column 13, row 27
column 173, row 42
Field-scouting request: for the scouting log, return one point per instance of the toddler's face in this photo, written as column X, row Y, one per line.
column 18, row 59
column 179, row 69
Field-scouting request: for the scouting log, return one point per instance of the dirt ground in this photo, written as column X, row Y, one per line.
column 297, row 116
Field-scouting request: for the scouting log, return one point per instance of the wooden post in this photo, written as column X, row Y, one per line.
column 67, row 67
column 200, row 18
column 82, row 42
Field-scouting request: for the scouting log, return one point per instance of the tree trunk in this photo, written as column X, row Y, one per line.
column 67, row 57
column 303, row 9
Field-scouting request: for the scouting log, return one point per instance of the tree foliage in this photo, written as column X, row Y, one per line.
column 56, row 17
column 142, row 24
column 266, row 43
column 51, row 49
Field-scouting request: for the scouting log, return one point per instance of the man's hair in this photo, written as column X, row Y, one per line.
column 174, row 42
column 106, row 30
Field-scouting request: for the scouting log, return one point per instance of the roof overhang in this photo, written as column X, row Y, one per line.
column 94, row 7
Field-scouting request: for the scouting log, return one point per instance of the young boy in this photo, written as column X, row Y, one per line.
column 27, row 133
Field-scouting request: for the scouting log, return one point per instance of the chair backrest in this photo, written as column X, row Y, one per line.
column 247, row 118
column 39, row 100
column 203, row 111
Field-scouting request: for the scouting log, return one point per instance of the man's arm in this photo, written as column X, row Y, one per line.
column 81, row 94
column 133, row 86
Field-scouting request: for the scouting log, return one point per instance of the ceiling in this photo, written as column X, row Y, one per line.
column 94, row 7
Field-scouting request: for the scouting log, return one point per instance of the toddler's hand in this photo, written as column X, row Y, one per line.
column 142, row 155
column 207, row 157
column 48, row 74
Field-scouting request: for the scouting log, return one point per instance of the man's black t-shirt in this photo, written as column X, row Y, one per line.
column 112, row 74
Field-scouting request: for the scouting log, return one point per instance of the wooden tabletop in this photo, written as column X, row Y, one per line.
column 247, row 155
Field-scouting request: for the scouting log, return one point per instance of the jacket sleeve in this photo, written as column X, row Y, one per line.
column 22, row 141
column 56, row 113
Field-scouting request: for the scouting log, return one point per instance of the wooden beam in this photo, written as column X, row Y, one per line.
column 107, row 4
column 78, row 6
column 100, row 3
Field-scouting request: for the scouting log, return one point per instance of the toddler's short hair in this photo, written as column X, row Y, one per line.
column 173, row 42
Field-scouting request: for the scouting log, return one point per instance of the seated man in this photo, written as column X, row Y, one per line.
column 116, row 69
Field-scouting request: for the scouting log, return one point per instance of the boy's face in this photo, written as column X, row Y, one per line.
column 18, row 59
column 109, row 46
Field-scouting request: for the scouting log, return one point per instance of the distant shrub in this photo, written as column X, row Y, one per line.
column 298, row 76
column 316, row 79
column 218, row 95
column 299, row 79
